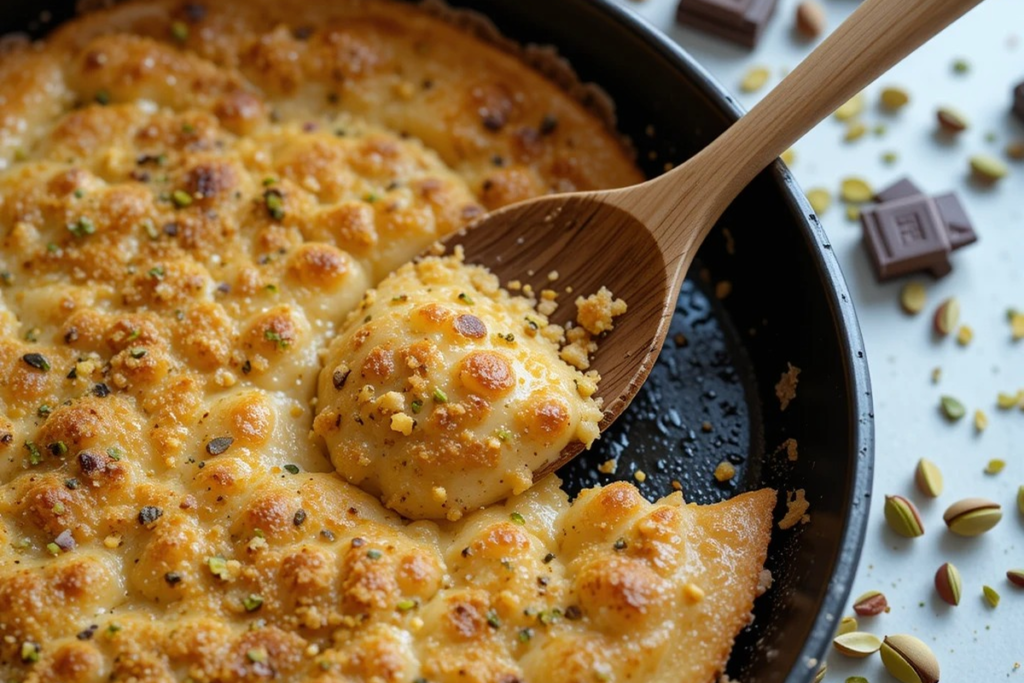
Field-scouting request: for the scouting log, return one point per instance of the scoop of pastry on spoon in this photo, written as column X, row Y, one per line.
column 639, row 241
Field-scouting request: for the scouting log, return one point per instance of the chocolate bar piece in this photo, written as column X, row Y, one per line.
column 958, row 226
column 901, row 189
column 905, row 236
column 741, row 21
column 1018, row 102
column 959, row 229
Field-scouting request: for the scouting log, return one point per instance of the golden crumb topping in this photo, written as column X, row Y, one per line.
column 193, row 196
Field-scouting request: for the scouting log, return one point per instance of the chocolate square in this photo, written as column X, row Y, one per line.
column 1018, row 102
column 958, row 225
column 901, row 189
column 741, row 21
column 905, row 236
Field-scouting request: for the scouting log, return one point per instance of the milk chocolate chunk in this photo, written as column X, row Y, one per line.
column 740, row 21
column 901, row 189
column 905, row 236
column 958, row 226
column 1018, row 102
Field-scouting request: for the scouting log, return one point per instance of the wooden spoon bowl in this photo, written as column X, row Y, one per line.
column 639, row 241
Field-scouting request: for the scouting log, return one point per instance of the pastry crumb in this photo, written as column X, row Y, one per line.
column 785, row 390
column 797, row 510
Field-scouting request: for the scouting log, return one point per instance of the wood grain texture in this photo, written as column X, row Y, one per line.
column 639, row 241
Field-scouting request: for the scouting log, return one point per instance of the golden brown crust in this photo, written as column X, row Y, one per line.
column 192, row 197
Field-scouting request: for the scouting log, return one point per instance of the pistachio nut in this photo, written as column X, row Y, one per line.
column 972, row 516
column 870, row 604
column 951, row 121
column 928, row 478
column 846, row 625
column 988, row 169
column 903, row 517
column 810, row 19
column 947, row 316
column 894, row 98
column 951, row 408
column 1015, row 576
column 909, row 660
column 948, row 583
column 857, row 644
column 856, row 190
column 913, row 297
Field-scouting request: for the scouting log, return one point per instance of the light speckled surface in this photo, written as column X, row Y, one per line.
column 973, row 642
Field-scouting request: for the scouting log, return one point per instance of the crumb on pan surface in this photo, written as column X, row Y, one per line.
column 192, row 197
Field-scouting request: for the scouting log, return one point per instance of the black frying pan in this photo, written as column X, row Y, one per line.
column 789, row 304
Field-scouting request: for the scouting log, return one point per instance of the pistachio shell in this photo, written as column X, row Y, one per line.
column 870, row 604
column 1015, row 576
column 848, row 625
column 948, row 584
column 928, row 478
column 820, row 676
column 972, row 516
column 903, row 517
column 909, row 660
column 857, row 644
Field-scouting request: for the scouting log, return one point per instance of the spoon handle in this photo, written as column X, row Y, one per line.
column 876, row 36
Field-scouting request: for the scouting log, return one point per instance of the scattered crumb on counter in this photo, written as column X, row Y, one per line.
column 785, row 390
column 797, row 510
column 640, row 476
column 608, row 466
column 790, row 447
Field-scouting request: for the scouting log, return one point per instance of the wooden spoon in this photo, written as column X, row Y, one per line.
column 639, row 241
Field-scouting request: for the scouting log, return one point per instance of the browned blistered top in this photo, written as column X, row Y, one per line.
column 192, row 197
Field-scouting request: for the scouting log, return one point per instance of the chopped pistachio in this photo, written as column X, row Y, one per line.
column 964, row 335
column 952, row 409
column 517, row 518
column 995, row 466
column 855, row 130
column 439, row 395
column 894, row 98
column 991, row 595
column 856, row 190
column 252, row 602
column 820, row 199
column 851, row 108
column 755, row 79
column 179, row 31
column 181, row 199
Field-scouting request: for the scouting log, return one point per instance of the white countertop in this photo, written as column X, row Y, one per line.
column 973, row 642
